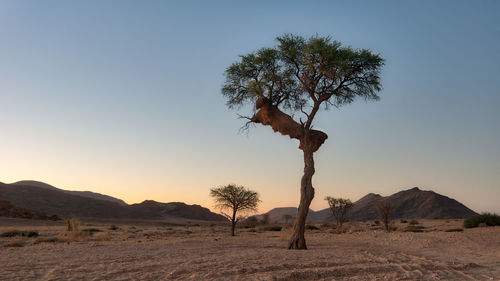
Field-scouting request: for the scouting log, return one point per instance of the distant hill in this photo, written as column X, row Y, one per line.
column 415, row 204
column 276, row 214
column 87, row 194
column 150, row 208
column 364, row 208
column 408, row 204
column 37, row 196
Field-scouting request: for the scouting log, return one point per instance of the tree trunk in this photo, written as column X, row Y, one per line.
column 297, row 241
column 233, row 222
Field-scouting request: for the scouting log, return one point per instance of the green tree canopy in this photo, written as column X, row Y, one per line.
column 303, row 72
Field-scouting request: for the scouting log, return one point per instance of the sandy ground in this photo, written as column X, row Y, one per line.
column 166, row 252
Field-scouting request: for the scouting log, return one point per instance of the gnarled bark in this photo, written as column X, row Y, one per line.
column 310, row 142
column 297, row 241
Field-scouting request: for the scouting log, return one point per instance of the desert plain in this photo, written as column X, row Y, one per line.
column 204, row 251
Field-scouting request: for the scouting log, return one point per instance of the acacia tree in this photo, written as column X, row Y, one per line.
column 301, row 76
column 236, row 199
column 339, row 208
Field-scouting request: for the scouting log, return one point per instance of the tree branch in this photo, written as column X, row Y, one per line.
column 247, row 125
column 311, row 115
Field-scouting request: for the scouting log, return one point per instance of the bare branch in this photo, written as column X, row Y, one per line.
column 246, row 127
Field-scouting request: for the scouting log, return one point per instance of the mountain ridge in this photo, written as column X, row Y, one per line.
column 87, row 194
column 55, row 201
column 412, row 203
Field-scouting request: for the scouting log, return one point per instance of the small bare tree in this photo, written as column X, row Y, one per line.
column 385, row 209
column 339, row 208
column 236, row 199
column 287, row 217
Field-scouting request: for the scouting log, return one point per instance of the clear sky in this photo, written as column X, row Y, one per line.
column 123, row 98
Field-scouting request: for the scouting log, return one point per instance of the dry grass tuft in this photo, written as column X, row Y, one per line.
column 73, row 225
column 103, row 236
column 73, row 232
column 286, row 234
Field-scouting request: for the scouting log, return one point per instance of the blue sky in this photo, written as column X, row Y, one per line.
column 123, row 98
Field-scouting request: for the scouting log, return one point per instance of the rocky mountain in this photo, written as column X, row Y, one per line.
column 87, row 194
column 413, row 203
column 58, row 202
column 364, row 208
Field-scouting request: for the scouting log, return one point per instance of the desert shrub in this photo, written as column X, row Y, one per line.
column 413, row 222
column 312, row 227
column 272, row 228
column 488, row 219
column 455, row 230
column 11, row 233
column 404, row 221
column 47, row 240
column 113, row 227
column 377, row 222
column 91, row 231
column 14, row 233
